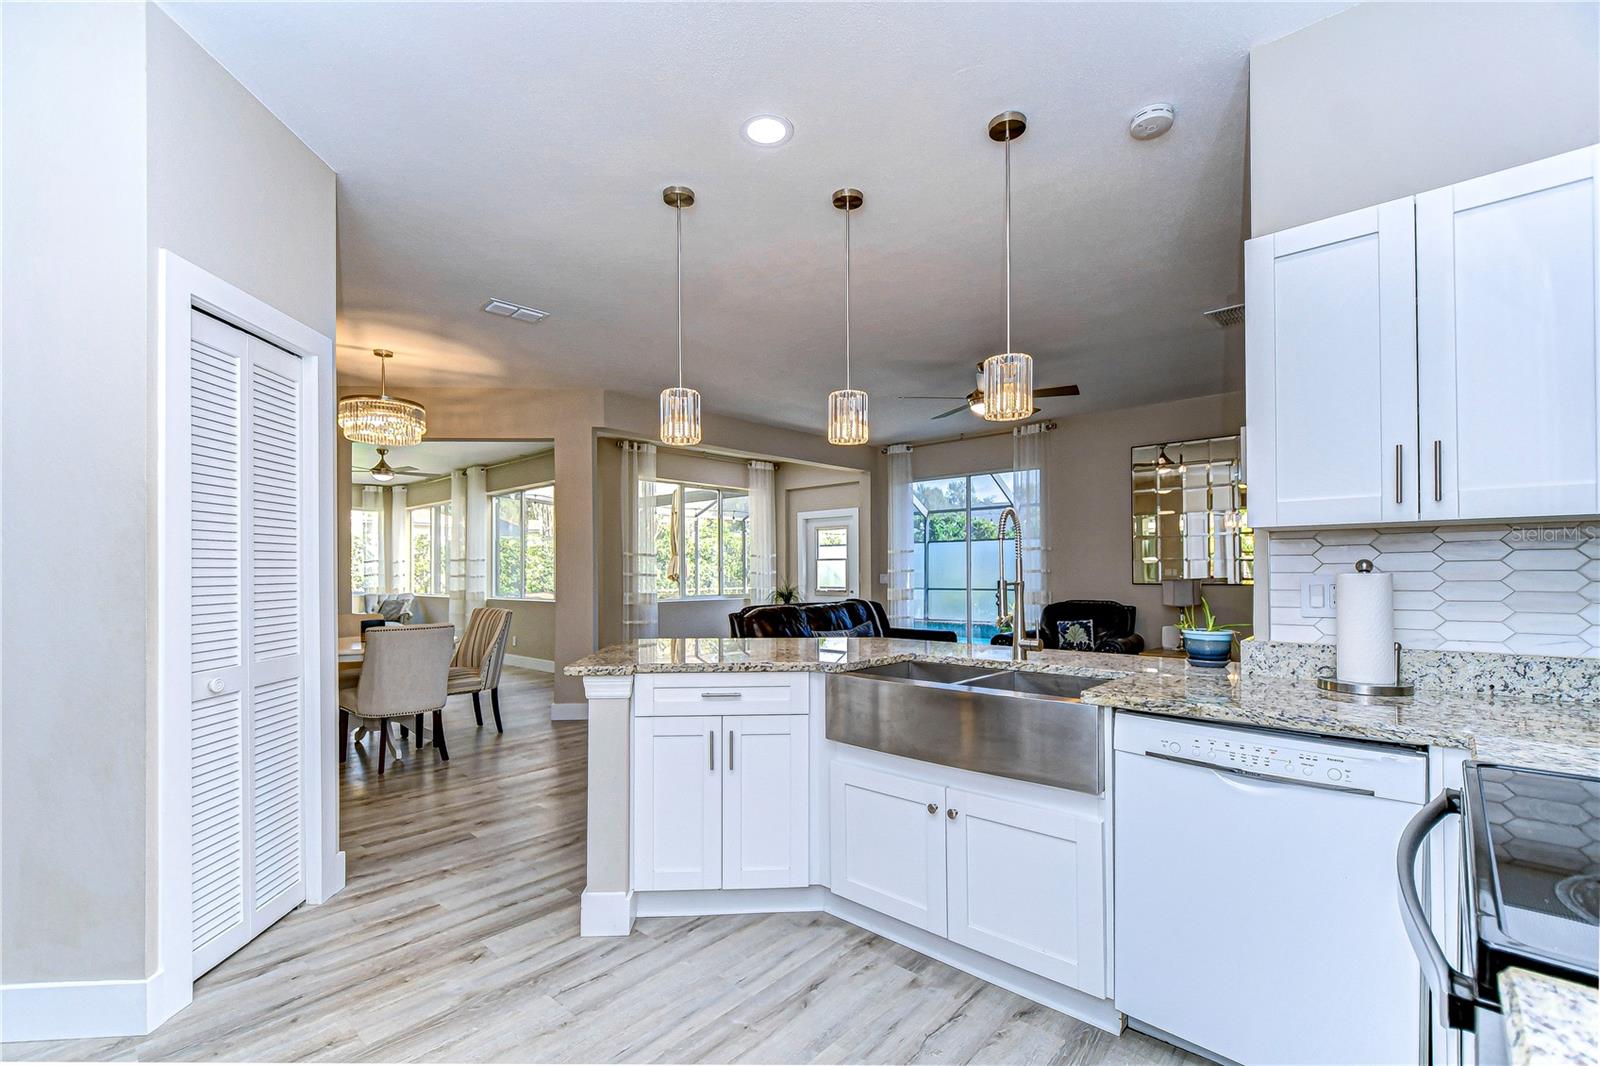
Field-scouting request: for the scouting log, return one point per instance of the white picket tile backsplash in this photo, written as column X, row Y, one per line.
column 1526, row 589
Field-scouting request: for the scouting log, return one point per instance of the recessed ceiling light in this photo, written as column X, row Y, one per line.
column 767, row 130
column 507, row 309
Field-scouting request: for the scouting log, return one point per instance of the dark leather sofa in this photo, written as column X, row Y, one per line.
column 1113, row 625
column 818, row 619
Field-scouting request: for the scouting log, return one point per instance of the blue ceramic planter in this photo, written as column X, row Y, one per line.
column 1208, row 647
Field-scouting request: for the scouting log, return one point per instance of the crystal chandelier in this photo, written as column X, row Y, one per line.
column 680, row 407
column 847, row 407
column 382, row 419
column 1008, row 377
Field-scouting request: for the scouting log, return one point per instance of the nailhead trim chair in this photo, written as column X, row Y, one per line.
column 404, row 674
column 478, row 659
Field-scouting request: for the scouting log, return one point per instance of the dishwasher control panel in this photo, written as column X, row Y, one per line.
column 1378, row 769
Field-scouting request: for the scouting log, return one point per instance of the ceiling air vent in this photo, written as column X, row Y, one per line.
column 506, row 309
column 1227, row 316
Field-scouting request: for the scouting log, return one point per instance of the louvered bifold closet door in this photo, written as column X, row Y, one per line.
column 246, row 647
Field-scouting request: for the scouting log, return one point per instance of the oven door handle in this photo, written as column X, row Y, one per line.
column 1452, row 989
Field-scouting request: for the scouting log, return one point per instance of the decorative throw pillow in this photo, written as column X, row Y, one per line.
column 862, row 630
column 1075, row 635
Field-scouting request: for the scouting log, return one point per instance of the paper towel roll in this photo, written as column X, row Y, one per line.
column 1364, row 607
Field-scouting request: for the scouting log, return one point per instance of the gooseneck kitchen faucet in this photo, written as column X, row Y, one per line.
column 1020, row 644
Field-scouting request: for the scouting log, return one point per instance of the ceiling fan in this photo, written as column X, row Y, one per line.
column 973, row 401
column 381, row 470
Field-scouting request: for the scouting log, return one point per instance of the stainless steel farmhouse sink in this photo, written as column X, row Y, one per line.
column 1027, row 726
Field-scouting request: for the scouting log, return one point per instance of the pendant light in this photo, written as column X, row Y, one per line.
column 847, row 407
column 680, row 407
column 382, row 419
column 1008, row 377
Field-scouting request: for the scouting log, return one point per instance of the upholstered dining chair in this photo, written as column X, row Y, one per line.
column 479, row 657
column 404, row 674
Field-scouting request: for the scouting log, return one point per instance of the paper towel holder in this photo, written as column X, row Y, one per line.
column 1354, row 688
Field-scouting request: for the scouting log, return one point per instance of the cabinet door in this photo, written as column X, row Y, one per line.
column 1027, row 885
column 1330, row 364
column 1506, row 280
column 888, row 844
column 766, row 819
column 677, row 803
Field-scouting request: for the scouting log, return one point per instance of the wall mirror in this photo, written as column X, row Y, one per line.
column 1189, row 513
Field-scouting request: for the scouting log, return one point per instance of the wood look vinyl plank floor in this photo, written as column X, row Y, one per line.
column 456, row 940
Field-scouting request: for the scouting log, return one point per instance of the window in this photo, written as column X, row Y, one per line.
column 524, row 544
column 702, row 540
column 955, row 569
column 366, row 551
column 430, row 549
column 832, row 559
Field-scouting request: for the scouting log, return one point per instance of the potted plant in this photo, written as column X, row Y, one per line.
column 786, row 594
column 1208, row 642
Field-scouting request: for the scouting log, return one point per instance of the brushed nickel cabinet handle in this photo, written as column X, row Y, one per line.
column 722, row 695
column 1399, row 474
column 933, row 808
column 730, row 751
column 711, row 749
column 1438, row 479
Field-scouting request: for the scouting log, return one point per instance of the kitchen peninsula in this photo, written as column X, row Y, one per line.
column 737, row 776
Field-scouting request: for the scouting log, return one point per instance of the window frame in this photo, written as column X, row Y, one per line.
column 921, row 515
column 522, row 524
column 438, row 533
column 677, row 505
column 358, row 546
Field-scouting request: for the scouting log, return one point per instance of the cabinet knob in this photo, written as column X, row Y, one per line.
column 933, row 808
column 951, row 814
column 215, row 685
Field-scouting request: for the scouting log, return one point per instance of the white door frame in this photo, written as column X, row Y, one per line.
column 803, row 546
column 182, row 287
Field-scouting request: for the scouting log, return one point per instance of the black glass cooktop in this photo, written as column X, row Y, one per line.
column 1535, row 861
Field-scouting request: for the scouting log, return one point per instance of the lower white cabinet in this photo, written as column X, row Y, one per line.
column 1026, row 885
column 1019, row 882
column 720, row 802
column 887, row 842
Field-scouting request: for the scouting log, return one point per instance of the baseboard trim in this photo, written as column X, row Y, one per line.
column 605, row 913
column 75, row 1010
column 528, row 662
column 682, row 904
column 569, row 712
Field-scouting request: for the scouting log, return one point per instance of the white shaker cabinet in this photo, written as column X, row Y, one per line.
column 1026, row 885
column 766, row 819
column 1506, row 304
column 1331, row 370
column 887, row 838
column 677, row 803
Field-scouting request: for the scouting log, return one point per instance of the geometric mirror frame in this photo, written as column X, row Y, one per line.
column 1190, row 513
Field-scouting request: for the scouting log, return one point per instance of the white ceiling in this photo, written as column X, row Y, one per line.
column 519, row 150
column 436, row 457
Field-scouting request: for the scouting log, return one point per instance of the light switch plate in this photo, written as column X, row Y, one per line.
column 1316, row 595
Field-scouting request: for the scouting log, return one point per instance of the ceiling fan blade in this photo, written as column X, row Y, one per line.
column 952, row 411
column 930, row 397
column 1057, row 390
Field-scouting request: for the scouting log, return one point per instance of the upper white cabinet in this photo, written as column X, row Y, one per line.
column 1330, row 349
column 1431, row 358
column 1506, row 301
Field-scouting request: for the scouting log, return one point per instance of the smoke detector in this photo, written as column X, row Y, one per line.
column 1151, row 122
column 507, row 309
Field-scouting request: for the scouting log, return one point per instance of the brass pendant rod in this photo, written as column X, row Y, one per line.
column 847, row 296
column 1008, row 347
column 678, row 210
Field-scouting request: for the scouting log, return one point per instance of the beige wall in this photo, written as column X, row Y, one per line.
column 1387, row 100
column 1091, row 514
column 122, row 137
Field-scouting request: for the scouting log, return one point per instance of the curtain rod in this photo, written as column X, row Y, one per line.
column 969, row 436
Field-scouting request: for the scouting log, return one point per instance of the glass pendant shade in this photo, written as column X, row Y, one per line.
column 384, row 420
column 680, row 416
column 1008, row 387
column 847, row 417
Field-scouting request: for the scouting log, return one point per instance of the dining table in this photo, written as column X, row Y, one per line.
column 351, row 649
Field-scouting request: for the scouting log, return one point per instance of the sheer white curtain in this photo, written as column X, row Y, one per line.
column 477, row 537
column 399, row 541
column 1033, row 508
column 762, row 564
column 638, row 541
column 456, row 574
column 901, row 547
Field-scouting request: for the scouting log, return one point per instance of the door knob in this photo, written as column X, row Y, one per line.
column 215, row 685
column 933, row 808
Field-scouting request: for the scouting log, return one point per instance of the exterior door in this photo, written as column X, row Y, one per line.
column 677, row 803
column 1025, row 886
column 766, row 823
column 1331, row 330
column 887, row 841
column 828, row 546
column 1510, row 401
column 247, row 656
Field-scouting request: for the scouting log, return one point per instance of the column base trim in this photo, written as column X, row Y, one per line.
column 605, row 913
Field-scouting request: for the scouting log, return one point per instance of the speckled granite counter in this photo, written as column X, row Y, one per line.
column 1549, row 1022
column 1525, row 730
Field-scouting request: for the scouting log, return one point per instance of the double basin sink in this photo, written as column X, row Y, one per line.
column 1010, row 723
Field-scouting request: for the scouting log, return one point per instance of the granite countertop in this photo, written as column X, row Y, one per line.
column 1549, row 1022
column 1520, row 730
